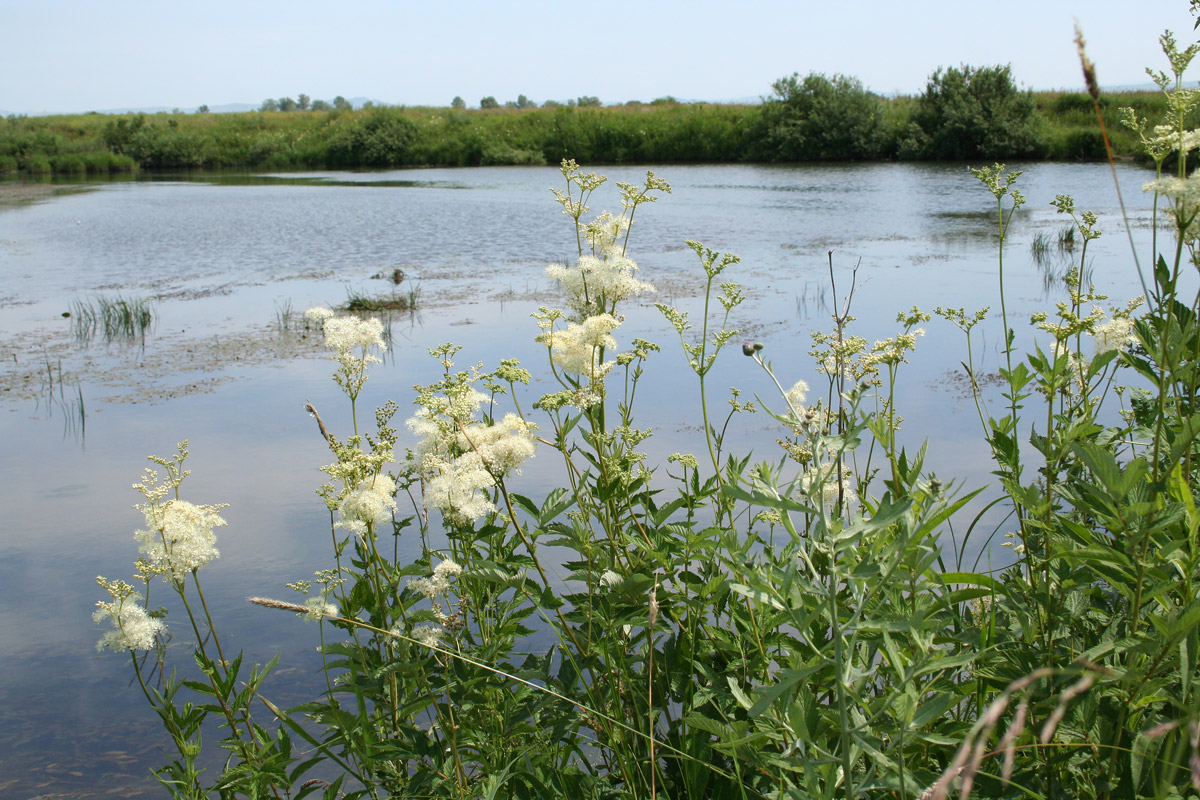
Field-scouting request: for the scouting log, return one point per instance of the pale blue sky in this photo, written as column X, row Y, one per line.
column 79, row 55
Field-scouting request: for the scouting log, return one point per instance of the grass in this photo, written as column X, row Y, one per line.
column 111, row 317
column 69, row 401
column 362, row 302
column 283, row 316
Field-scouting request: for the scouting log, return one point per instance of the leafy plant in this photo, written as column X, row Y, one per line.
column 723, row 625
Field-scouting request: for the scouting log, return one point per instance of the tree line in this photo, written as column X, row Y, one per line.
column 964, row 113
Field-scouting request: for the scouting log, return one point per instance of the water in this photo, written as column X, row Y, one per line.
column 226, row 256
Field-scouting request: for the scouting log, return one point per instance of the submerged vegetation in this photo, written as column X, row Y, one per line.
column 964, row 113
column 802, row 624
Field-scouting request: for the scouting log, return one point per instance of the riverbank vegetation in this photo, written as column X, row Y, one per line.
column 964, row 113
column 813, row 622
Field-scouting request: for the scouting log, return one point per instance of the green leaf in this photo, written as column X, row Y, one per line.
column 768, row 501
column 788, row 678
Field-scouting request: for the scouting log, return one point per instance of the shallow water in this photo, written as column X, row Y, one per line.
column 223, row 256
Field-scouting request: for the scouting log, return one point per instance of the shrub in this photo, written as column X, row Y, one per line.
column 816, row 118
column 380, row 138
column 504, row 154
column 972, row 112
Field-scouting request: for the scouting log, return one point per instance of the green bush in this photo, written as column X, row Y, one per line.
column 1076, row 145
column 381, row 138
column 972, row 112
column 821, row 119
column 38, row 165
column 504, row 154
column 68, row 164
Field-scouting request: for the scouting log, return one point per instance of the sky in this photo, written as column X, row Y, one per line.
column 82, row 55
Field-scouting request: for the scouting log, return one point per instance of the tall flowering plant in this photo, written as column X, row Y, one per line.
column 801, row 624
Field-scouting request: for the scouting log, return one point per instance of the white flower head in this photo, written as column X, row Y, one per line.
column 345, row 333
column 318, row 314
column 371, row 504
column 596, row 283
column 428, row 635
column 178, row 537
column 503, row 447
column 319, row 608
column 832, row 485
column 133, row 628
column 1113, row 335
column 446, row 569
column 439, row 582
column 576, row 350
column 796, row 396
column 457, row 487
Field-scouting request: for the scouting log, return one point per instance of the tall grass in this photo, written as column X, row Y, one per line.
column 114, row 318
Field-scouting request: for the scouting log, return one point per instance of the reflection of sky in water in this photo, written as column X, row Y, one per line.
column 475, row 240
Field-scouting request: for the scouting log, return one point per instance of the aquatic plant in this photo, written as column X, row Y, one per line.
column 112, row 317
column 358, row 301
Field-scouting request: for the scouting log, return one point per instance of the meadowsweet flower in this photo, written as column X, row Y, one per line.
column 318, row 314
column 428, row 635
column 456, row 487
column 599, row 282
column 319, row 607
column 576, row 350
column 133, row 628
column 423, row 586
column 1184, row 210
column 1113, row 335
column 796, row 396
column 345, row 333
column 438, row 582
column 831, row 483
column 369, row 505
column 503, row 447
column 686, row 460
column 445, row 570
column 350, row 339
column 178, row 537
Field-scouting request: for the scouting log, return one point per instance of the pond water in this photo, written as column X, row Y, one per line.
column 224, row 259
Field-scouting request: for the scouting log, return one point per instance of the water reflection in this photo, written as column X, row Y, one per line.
column 223, row 255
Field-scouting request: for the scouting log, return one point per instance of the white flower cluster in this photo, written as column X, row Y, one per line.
column 461, row 461
column 796, row 396
column 827, row 477
column 178, row 537
column 439, row 582
column 370, row 505
column 1113, row 335
column 576, row 350
column 1184, row 210
column 599, row 282
column 346, row 333
column 429, row 635
column 346, row 336
column 319, row 608
column 458, row 486
column 133, row 628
